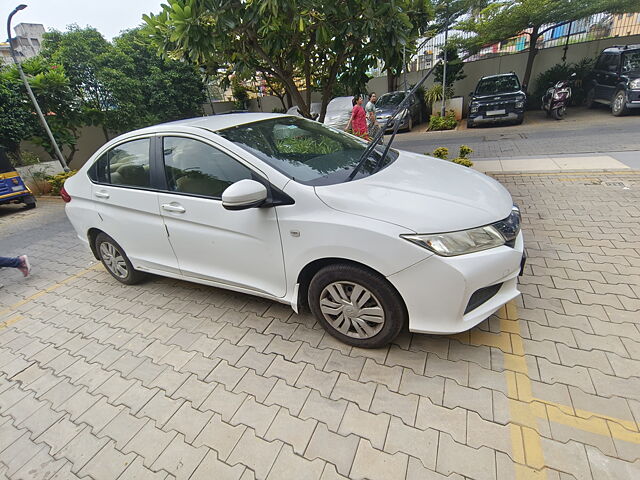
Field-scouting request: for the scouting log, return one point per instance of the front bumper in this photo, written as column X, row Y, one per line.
column 633, row 98
column 438, row 290
column 507, row 117
column 388, row 126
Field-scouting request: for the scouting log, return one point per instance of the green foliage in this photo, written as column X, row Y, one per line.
column 501, row 20
column 304, row 44
column 240, row 94
column 124, row 85
column 57, row 181
column 434, row 93
column 448, row 122
column 462, row 158
column 307, row 145
column 455, row 68
column 562, row 71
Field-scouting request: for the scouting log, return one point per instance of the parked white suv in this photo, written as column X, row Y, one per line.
column 284, row 208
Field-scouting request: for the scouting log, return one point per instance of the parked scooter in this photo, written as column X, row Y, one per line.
column 555, row 101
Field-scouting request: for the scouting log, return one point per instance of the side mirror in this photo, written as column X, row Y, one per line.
column 244, row 194
column 573, row 75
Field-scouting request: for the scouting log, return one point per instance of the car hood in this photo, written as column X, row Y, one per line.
column 386, row 110
column 422, row 194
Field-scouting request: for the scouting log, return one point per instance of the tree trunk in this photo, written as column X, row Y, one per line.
column 533, row 51
column 392, row 81
column 289, row 102
column 106, row 133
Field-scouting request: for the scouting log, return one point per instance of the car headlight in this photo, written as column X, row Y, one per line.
column 474, row 107
column 459, row 243
column 635, row 84
column 520, row 101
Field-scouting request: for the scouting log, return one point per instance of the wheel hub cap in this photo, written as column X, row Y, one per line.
column 352, row 309
column 113, row 260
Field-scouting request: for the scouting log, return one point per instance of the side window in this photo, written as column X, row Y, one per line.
column 126, row 165
column 195, row 167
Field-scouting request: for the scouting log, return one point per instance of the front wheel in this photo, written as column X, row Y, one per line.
column 590, row 100
column 116, row 261
column 558, row 113
column 619, row 105
column 410, row 124
column 357, row 306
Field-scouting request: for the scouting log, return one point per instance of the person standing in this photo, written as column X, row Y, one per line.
column 358, row 121
column 372, row 118
column 21, row 263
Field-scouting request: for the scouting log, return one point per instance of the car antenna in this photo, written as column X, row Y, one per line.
column 378, row 137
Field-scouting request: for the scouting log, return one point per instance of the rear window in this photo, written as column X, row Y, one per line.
column 497, row 85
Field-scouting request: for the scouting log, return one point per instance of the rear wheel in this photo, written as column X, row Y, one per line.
column 29, row 202
column 357, row 306
column 116, row 261
column 619, row 104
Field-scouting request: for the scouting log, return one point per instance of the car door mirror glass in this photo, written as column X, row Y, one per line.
column 244, row 194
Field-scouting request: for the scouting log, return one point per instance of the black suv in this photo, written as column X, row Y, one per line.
column 497, row 98
column 615, row 80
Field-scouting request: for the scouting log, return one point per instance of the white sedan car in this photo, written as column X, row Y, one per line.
column 282, row 207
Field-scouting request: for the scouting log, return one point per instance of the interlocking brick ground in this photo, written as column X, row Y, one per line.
column 174, row 380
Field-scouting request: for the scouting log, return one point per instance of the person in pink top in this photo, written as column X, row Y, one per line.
column 358, row 121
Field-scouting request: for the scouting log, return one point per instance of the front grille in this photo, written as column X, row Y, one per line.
column 500, row 105
column 481, row 296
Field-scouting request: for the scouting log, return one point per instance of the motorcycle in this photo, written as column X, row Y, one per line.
column 556, row 99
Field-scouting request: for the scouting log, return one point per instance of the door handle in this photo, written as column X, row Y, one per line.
column 101, row 194
column 169, row 207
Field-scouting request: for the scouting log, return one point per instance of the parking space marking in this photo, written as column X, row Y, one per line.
column 55, row 286
column 526, row 410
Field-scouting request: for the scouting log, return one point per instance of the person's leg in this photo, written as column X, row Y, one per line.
column 10, row 262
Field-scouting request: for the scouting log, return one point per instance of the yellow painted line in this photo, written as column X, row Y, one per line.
column 11, row 321
column 525, row 439
column 51, row 288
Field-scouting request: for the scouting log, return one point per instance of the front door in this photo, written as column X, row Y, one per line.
column 127, row 205
column 235, row 248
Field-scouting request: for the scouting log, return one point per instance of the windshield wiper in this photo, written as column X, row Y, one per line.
column 380, row 134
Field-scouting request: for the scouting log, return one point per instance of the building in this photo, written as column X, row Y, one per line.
column 27, row 42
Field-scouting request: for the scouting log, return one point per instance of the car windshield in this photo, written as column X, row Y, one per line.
column 390, row 99
column 631, row 62
column 496, row 85
column 306, row 151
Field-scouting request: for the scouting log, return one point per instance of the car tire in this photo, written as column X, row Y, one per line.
column 340, row 290
column 116, row 261
column 29, row 202
column 410, row 124
column 520, row 119
column 590, row 99
column 470, row 124
column 619, row 104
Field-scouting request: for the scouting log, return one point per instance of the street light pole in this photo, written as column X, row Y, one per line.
column 30, row 92
column 444, row 64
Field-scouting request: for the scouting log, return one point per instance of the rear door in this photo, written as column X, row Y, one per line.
column 127, row 204
column 234, row 248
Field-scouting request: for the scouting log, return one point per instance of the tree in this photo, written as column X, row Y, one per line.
column 304, row 44
column 501, row 20
column 124, row 85
column 17, row 122
column 455, row 68
column 51, row 88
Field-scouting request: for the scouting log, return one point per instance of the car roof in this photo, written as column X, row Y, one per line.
column 212, row 122
column 510, row 74
column 621, row 48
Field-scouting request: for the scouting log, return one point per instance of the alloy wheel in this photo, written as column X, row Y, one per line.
column 352, row 309
column 618, row 102
column 113, row 260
